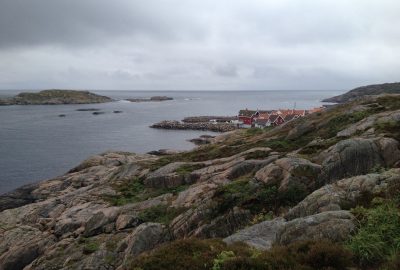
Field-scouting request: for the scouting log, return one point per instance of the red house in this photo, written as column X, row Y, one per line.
column 247, row 116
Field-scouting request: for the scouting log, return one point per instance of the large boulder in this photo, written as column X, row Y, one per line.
column 101, row 221
column 358, row 156
column 145, row 237
column 260, row 236
column 345, row 194
column 167, row 177
column 291, row 171
column 21, row 245
column 333, row 225
column 224, row 225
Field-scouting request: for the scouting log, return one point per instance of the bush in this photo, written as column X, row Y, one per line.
column 378, row 236
column 185, row 254
column 307, row 255
column 89, row 245
column 214, row 254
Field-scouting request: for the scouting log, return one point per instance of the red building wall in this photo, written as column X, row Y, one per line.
column 246, row 120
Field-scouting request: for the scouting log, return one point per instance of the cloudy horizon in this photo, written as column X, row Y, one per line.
column 198, row 45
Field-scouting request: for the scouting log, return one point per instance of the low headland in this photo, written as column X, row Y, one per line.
column 375, row 89
column 151, row 99
column 319, row 192
column 55, row 97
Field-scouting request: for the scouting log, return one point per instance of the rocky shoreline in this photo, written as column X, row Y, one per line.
column 200, row 119
column 206, row 126
column 309, row 193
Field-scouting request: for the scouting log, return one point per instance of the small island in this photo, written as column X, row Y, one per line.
column 151, row 99
column 55, row 97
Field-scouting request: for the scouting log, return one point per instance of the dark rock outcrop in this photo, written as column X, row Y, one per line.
column 358, row 156
column 345, row 194
column 289, row 172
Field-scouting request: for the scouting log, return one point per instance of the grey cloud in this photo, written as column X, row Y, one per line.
column 227, row 71
column 190, row 44
column 78, row 23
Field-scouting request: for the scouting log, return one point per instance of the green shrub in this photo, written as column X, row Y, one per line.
column 307, row 255
column 184, row 254
column 89, row 245
column 243, row 263
column 378, row 236
column 213, row 254
column 221, row 258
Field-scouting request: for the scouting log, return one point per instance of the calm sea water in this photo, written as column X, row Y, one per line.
column 36, row 144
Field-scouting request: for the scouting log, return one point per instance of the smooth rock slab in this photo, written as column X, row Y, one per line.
column 333, row 225
column 260, row 236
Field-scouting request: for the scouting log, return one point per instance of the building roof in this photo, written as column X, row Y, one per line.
column 263, row 115
column 247, row 113
column 273, row 117
column 289, row 117
column 262, row 122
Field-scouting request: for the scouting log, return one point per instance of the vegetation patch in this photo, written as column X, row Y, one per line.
column 389, row 102
column 89, row 245
column 340, row 122
column 213, row 254
column 253, row 131
column 312, row 150
column 160, row 214
column 389, row 128
column 135, row 191
column 254, row 196
column 378, row 237
column 259, row 154
column 188, row 168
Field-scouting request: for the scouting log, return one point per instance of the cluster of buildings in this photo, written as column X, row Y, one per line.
column 261, row 118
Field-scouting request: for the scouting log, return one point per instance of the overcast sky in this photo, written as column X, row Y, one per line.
column 198, row 44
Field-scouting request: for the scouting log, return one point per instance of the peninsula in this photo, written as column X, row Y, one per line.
column 375, row 89
column 55, row 97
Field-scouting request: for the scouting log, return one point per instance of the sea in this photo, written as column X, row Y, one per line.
column 36, row 144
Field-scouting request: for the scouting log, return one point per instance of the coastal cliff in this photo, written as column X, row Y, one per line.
column 55, row 97
column 304, row 195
